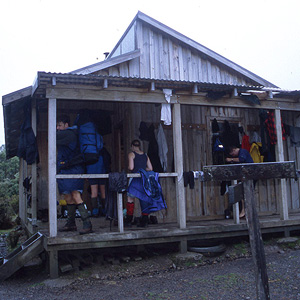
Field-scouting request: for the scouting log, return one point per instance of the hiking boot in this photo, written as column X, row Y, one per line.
column 143, row 221
column 153, row 220
column 128, row 221
column 87, row 228
column 68, row 227
column 71, row 224
column 87, row 225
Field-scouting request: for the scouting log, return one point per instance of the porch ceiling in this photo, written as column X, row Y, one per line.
column 14, row 103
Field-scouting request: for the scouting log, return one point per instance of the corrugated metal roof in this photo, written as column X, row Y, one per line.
column 119, row 81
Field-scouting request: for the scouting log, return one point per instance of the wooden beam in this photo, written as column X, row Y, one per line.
column 286, row 169
column 108, row 63
column 108, row 94
column 129, row 175
column 15, row 96
column 52, row 167
column 180, row 193
column 283, row 205
column 256, row 243
column 237, row 102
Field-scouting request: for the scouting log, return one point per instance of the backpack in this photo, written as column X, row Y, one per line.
column 90, row 143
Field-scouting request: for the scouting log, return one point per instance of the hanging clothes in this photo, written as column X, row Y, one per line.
column 166, row 116
column 153, row 150
column 271, row 127
column 255, row 138
column 245, row 143
column 27, row 148
column 295, row 136
column 255, row 153
column 162, row 147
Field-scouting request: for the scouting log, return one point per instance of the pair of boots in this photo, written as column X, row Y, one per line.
column 71, row 224
column 143, row 221
column 98, row 208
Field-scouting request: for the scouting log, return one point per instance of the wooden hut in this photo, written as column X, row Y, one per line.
column 152, row 66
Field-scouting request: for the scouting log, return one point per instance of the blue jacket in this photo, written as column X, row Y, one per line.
column 148, row 192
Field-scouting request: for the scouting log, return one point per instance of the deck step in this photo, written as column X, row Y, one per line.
column 22, row 255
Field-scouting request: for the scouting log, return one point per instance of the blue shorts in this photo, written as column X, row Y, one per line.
column 67, row 186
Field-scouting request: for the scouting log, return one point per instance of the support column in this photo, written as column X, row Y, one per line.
column 33, row 170
column 22, row 198
column 120, row 213
column 52, row 167
column 283, row 205
column 53, row 264
column 177, row 140
column 256, row 243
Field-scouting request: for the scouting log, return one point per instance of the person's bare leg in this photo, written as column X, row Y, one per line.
column 242, row 212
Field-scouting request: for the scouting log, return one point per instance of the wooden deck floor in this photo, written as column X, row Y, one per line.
column 103, row 237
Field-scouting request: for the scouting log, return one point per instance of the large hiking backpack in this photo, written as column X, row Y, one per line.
column 90, row 141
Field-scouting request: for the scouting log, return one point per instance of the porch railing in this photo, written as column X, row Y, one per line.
column 119, row 195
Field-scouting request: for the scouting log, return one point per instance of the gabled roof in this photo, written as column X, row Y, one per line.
column 114, row 58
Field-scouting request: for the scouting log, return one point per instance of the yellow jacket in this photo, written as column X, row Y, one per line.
column 255, row 153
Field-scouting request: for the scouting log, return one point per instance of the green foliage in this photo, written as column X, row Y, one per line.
column 9, row 189
column 9, row 175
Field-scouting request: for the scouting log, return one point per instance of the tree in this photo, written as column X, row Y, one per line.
column 9, row 188
column 9, row 175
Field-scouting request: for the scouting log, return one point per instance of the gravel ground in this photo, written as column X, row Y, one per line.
column 164, row 275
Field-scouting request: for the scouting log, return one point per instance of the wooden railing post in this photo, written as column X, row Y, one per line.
column 52, row 167
column 34, row 170
column 283, row 205
column 177, row 140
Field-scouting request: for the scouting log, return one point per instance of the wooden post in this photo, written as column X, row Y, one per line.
column 22, row 201
column 177, row 140
column 53, row 264
column 236, row 210
column 33, row 170
column 120, row 212
column 283, row 205
column 256, row 243
column 52, row 167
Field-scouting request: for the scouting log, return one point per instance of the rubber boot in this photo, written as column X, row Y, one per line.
column 87, row 225
column 71, row 224
column 95, row 210
column 128, row 221
column 144, row 221
column 102, row 207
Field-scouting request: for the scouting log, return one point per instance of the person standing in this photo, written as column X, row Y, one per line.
column 67, row 151
column 239, row 155
column 95, row 183
column 137, row 159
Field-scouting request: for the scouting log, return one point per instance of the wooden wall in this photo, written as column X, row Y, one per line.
column 165, row 58
column 205, row 200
